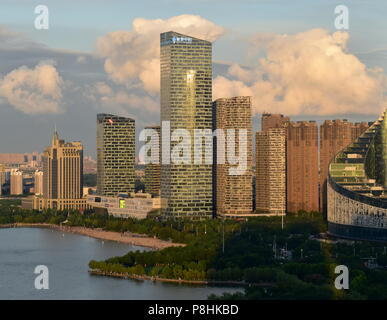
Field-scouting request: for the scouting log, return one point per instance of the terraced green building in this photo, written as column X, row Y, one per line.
column 357, row 193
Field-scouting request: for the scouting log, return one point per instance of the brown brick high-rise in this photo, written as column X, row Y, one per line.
column 302, row 166
column 234, row 193
column 152, row 170
column 271, row 171
column 273, row 120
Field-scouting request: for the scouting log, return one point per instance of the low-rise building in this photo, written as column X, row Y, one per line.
column 40, row 203
column 131, row 205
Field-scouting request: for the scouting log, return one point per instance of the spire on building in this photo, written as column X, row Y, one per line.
column 55, row 138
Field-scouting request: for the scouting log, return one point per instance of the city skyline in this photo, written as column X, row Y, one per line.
column 207, row 149
column 88, row 77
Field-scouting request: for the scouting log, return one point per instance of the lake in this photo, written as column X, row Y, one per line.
column 67, row 256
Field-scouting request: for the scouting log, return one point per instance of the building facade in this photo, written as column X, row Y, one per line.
column 38, row 182
column 62, row 175
column 356, row 190
column 116, row 148
column 233, row 192
column 152, row 170
column 3, row 177
column 271, row 171
column 273, row 120
column 335, row 135
column 16, row 182
column 302, row 166
column 133, row 205
column 186, row 103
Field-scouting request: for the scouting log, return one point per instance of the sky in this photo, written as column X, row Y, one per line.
column 102, row 56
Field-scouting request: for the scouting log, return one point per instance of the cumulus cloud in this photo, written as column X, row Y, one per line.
column 120, row 100
column 33, row 91
column 132, row 57
column 306, row 73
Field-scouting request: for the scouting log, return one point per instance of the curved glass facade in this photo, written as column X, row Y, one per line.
column 357, row 197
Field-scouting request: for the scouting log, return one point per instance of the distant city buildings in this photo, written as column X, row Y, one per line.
column 16, row 182
column 23, row 160
column 233, row 194
column 115, row 154
column 271, row 171
column 291, row 163
column 89, row 165
column 2, row 177
column 186, row 103
column 38, row 182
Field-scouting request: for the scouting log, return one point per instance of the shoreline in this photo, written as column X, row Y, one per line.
column 127, row 238
column 98, row 272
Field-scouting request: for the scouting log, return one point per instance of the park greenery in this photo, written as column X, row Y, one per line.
column 271, row 262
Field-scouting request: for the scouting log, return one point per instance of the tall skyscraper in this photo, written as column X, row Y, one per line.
column 16, row 186
column 273, row 120
column 234, row 192
column 63, row 175
column 38, row 182
column 152, row 170
column 2, row 177
column 335, row 135
column 302, row 166
column 271, row 171
column 116, row 148
column 186, row 103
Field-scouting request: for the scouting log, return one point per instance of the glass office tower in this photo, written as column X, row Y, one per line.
column 186, row 102
column 116, row 147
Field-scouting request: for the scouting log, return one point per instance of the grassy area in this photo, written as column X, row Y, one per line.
column 277, row 263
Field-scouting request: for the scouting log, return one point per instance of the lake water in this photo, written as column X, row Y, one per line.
column 67, row 256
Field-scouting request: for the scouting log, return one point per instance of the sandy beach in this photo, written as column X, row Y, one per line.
column 128, row 238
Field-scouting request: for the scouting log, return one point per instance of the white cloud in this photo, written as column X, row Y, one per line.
column 132, row 57
column 307, row 73
column 33, row 91
column 120, row 100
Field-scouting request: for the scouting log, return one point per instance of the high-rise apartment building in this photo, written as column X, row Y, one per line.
column 233, row 192
column 116, row 148
column 152, row 170
column 2, row 177
column 38, row 182
column 16, row 182
column 186, row 103
column 273, row 120
column 63, row 175
column 271, row 171
column 335, row 135
column 302, row 166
